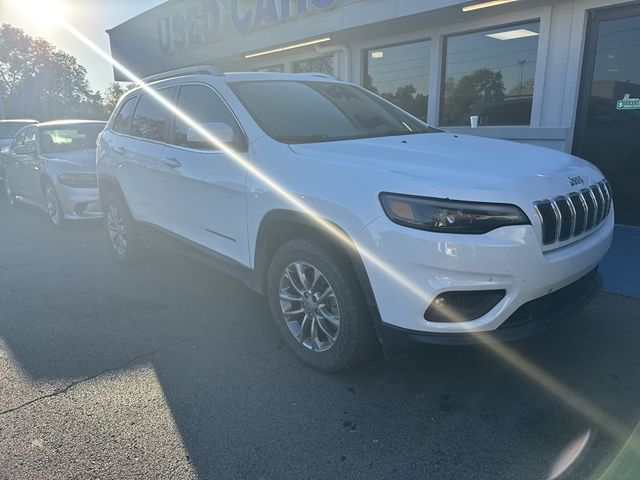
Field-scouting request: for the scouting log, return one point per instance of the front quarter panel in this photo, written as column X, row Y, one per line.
column 333, row 189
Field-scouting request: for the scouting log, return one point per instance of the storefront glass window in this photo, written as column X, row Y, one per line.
column 315, row 65
column 400, row 73
column 271, row 68
column 490, row 74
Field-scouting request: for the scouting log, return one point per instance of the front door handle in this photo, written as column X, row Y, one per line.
column 172, row 162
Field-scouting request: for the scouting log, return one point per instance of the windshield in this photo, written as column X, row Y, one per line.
column 67, row 138
column 306, row 112
column 9, row 129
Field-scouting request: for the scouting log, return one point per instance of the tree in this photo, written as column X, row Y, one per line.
column 408, row 98
column 482, row 85
column 40, row 81
column 112, row 94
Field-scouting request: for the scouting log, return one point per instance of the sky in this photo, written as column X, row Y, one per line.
column 91, row 17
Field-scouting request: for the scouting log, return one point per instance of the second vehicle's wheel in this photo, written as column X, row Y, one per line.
column 318, row 306
column 122, row 231
column 8, row 190
column 54, row 207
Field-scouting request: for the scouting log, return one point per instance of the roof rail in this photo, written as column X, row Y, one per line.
column 181, row 72
column 319, row 74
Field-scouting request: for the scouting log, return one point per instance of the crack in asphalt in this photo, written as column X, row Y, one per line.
column 66, row 388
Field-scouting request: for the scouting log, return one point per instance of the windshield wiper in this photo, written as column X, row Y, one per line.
column 303, row 138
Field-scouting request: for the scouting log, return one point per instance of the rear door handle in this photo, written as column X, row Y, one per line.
column 120, row 150
column 172, row 162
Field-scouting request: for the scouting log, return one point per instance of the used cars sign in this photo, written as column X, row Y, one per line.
column 206, row 20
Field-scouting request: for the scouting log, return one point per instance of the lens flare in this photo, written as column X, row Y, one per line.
column 569, row 455
column 45, row 14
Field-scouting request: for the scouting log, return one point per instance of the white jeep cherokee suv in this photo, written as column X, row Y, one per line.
column 358, row 221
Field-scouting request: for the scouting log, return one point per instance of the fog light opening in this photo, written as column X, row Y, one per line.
column 80, row 208
column 462, row 306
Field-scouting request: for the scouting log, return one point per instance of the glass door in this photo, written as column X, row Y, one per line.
column 608, row 122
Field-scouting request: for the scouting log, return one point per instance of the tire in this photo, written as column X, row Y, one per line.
column 55, row 212
column 122, row 231
column 332, row 346
column 8, row 189
column 3, row 175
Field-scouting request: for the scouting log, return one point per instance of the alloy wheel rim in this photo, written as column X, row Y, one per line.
column 9, row 191
column 309, row 306
column 52, row 205
column 117, row 229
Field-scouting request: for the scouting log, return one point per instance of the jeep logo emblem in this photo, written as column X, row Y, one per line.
column 573, row 181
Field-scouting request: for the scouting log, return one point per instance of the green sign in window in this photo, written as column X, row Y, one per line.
column 628, row 103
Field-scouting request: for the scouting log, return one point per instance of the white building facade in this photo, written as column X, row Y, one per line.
column 563, row 74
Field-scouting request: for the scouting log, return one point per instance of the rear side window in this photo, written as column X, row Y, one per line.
column 122, row 121
column 151, row 118
column 206, row 108
column 19, row 138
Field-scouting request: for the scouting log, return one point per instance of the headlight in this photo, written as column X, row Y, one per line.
column 79, row 180
column 450, row 216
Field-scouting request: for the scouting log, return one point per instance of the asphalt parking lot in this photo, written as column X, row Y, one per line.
column 172, row 370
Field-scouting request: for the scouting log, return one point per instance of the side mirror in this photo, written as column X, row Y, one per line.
column 28, row 149
column 221, row 131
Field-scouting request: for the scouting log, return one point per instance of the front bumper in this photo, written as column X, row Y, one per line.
column 532, row 318
column 79, row 203
column 414, row 267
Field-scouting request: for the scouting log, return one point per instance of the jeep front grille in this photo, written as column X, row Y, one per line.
column 572, row 215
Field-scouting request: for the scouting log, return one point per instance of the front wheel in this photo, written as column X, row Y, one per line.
column 54, row 207
column 318, row 306
column 8, row 189
column 122, row 230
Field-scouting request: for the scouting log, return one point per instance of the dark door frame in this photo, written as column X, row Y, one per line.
column 631, row 9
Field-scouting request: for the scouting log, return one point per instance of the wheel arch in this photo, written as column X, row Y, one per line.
column 280, row 226
column 45, row 177
column 109, row 184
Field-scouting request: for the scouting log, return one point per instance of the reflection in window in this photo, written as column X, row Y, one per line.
column 150, row 118
column 400, row 74
column 315, row 65
column 67, row 139
column 272, row 68
column 490, row 74
column 204, row 107
column 122, row 121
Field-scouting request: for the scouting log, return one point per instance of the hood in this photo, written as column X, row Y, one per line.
column 85, row 159
column 464, row 167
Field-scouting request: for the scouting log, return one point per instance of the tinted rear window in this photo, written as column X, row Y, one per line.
column 151, row 118
column 122, row 121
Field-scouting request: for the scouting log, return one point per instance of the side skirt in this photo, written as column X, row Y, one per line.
column 183, row 246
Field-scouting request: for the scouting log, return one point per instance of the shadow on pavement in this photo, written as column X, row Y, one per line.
column 246, row 408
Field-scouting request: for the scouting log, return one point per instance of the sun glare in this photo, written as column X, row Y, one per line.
column 44, row 14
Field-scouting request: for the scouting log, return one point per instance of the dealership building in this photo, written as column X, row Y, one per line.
column 564, row 74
